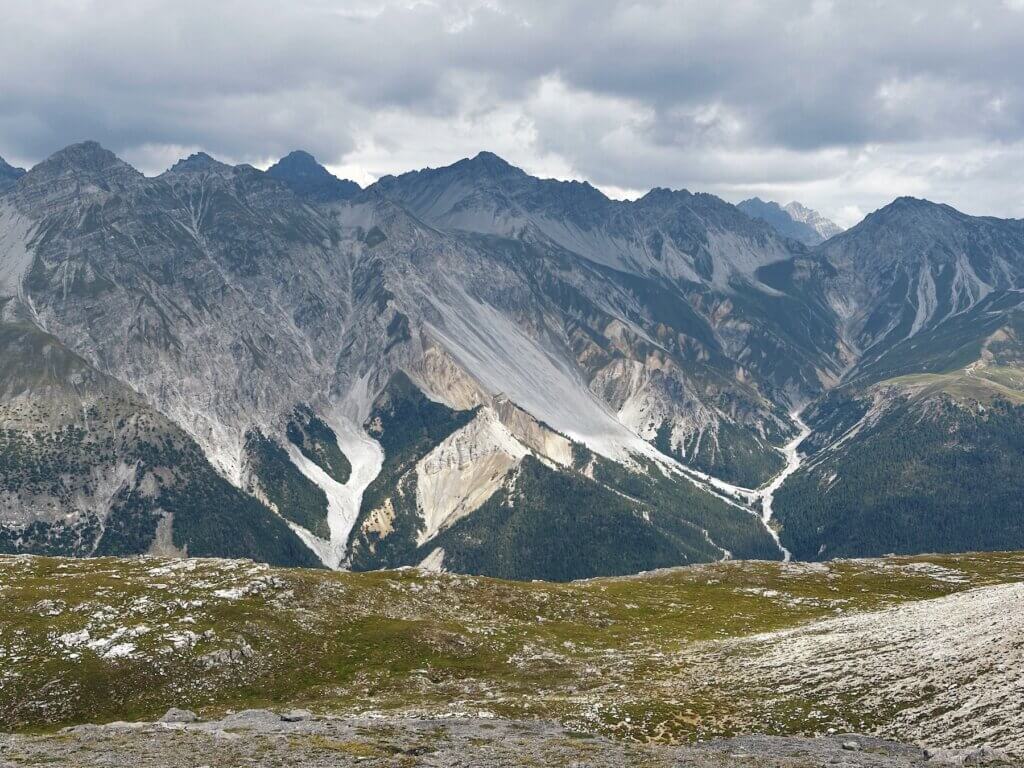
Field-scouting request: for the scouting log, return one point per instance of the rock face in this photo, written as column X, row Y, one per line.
column 640, row 357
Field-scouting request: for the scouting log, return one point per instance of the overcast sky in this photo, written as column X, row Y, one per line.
column 841, row 105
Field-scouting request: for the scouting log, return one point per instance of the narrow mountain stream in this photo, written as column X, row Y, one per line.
column 793, row 461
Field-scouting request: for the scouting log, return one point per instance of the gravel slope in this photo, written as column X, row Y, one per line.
column 260, row 737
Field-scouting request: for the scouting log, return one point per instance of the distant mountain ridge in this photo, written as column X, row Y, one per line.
column 792, row 220
column 472, row 368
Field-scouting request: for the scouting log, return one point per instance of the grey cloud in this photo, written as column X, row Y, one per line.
column 794, row 95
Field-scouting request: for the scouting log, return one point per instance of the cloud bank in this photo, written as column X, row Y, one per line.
column 842, row 105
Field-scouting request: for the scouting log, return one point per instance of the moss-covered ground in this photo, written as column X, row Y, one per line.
column 111, row 639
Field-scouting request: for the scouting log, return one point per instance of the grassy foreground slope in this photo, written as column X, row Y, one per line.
column 665, row 656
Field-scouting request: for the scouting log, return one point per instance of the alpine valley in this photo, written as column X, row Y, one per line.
column 474, row 370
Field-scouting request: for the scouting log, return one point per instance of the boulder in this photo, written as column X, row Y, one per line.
column 175, row 715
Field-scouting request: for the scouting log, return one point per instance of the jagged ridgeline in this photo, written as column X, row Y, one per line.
column 473, row 369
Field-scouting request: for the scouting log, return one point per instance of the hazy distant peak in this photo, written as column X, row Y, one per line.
column 824, row 227
column 794, row 220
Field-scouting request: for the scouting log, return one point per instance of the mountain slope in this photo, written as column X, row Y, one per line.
column 914, row 266
column 918, row 462
column 585, row 386
column 87, row 468
column 716, row 331
column 494, row 491
column 919, row 448
column 265, row 327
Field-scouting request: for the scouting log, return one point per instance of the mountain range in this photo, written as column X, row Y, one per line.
column 472, row 369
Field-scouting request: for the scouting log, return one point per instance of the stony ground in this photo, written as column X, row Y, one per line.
column 299, row 740
column 925, row 650
column 948, row 670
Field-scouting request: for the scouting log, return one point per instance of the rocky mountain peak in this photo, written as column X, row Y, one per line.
column 491, row 163
column 87, row 158
column 74, row 175
column 914, row 229
column 913, row 214
column 300, row 171
column 909, row 203
column 83, row 151
column 298, row 162
column 482, row 170
column 198, row 162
